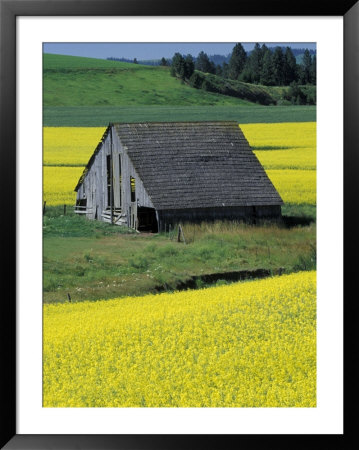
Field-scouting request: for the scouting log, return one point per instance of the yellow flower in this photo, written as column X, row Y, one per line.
column 249, row 344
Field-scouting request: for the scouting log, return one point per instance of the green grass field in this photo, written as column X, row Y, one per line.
column 92, row 260
column 93, row 92
column 64, row 62
column 72, row 81
column 97, row 116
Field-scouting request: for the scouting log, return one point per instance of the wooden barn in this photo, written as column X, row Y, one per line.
column 151, row 176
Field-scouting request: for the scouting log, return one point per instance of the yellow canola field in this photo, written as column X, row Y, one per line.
column 250, row 344
column 74, row 146
column 59, row 184
column 294, row 158
column 295, row 186
column 281, row 135
column 70, row 146
column 287, row 152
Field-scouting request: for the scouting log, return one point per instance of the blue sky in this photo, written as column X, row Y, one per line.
column 153, row 50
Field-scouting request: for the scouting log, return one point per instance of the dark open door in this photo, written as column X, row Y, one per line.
column 147, row 220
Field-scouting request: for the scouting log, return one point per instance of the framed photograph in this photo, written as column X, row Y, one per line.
column 155, row 158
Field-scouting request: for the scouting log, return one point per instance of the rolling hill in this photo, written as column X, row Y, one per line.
column 80, row 91
column 76, row 81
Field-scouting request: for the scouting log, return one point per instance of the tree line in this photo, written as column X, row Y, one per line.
column 145, row 62
column 262, row 65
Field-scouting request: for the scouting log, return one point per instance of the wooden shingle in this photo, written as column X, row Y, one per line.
column 196, row 165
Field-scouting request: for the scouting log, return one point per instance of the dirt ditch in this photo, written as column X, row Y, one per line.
column 209, row 279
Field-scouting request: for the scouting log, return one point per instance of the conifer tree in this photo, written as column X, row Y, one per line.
column 203, row 63
column 306, row 67
column 267, row 74
column 278, row 63
column 255, row 63
column 225, row 70
column 178, row 66
column 237, row 61
column 219, row 70
column 290, row 67
column 313, row 70
column 188, row 66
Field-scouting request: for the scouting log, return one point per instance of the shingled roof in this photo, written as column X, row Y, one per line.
column 196, row 165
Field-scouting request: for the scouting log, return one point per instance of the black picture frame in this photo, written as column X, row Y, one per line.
column 9, row 10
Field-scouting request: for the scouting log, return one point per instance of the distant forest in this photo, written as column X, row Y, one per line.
column 266, row 66
column 269, row 67
column 220, row 63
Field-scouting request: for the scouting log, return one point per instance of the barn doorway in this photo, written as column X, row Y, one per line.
column 81, row 206
column 147, row 220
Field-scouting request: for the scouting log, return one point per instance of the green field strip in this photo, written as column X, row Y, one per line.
column 96, row 116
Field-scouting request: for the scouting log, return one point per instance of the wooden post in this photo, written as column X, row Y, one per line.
column 44, row 208
column 184, row 240
column 64, row 210
column 111, row 179
column 135, row 220
column 69, row 297
column 180, row 232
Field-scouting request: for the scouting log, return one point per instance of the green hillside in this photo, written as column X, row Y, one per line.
column 59, row 62
column 93, row 92
column 75, row 81
column 255, row 93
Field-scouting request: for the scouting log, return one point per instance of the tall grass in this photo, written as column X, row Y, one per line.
column 92, row 260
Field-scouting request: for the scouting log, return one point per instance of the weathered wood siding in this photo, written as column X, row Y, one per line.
column 94, row 186
column 197, row 215
column 128, row 171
